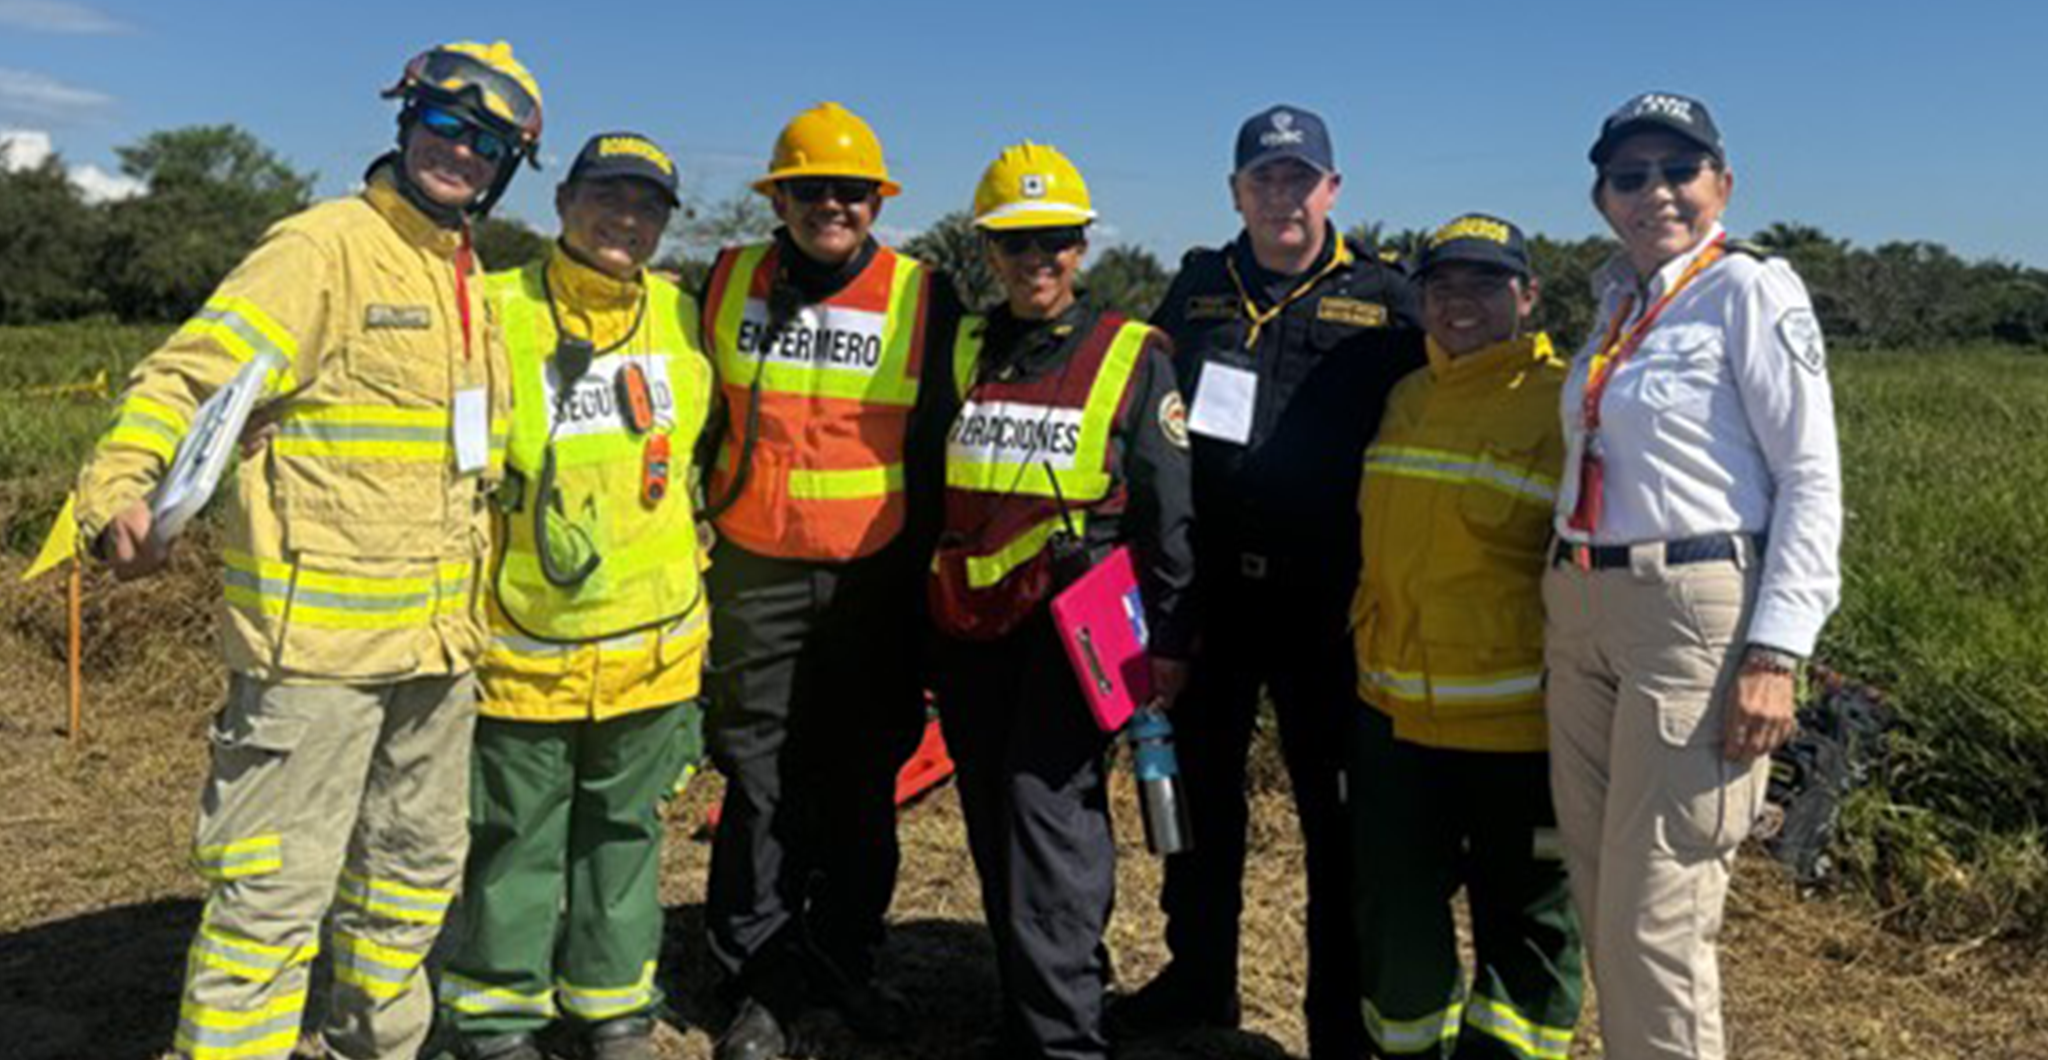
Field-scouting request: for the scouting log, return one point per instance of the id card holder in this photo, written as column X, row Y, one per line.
column 1225, row 396
column 472, row 430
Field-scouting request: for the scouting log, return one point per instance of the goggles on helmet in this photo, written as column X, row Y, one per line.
column 458, row 77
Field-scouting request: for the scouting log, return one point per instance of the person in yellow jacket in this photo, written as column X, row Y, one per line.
column 356, row 539
column 598, row 627
column 824, row 492
column 1449, row 776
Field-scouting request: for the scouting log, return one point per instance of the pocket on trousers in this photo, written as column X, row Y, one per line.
column 1712, row 802
column 244, row 726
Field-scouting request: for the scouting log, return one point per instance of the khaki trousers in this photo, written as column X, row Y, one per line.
column 1640, row 661
column 354, row 796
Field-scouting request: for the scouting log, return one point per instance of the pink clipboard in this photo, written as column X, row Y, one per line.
column 1101, row 623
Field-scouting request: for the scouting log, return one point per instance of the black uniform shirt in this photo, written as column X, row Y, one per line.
column 1148, row 459
column 1281, row 508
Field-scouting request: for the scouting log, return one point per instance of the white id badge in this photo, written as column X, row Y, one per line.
column 472, row 430
column 1224, row 399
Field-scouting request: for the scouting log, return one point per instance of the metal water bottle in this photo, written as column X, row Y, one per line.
column 1158, row 772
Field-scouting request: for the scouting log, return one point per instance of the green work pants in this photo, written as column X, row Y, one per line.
column 561, row 906
column 1427, row 821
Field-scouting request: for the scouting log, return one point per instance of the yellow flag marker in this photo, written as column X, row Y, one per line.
column 61, row 545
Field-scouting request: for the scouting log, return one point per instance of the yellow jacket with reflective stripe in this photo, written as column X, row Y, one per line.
column 1456, row 503
column 354, row 546
column 631, row 636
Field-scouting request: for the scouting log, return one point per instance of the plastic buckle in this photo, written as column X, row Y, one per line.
column 1251, row 565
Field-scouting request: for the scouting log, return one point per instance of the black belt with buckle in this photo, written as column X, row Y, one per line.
column 1707, row 549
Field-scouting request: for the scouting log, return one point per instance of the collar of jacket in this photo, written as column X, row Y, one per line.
column 591, row 303
column 1030, row 346
column 1336, row 256
column 1618, row 276
column 417, row 228
column 1501, row 356
column 814, row 280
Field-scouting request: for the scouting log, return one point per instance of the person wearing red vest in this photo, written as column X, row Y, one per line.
column 824, row 493
column 1070, row 441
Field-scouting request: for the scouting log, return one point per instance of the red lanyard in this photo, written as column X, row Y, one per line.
column 1615, row 350
column 464, row 259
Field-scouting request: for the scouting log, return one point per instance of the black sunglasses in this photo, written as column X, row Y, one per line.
column 1015, row 241
column 843, row 190
column 1677, row 172
column 453, row 127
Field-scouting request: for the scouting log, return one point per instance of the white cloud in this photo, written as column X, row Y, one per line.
column 894, row 236
column 24, row 93
column 54, row 16
column 28, row 148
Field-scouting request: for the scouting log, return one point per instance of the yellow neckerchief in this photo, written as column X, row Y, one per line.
column 1518, row 351
column 416, row 228
column 592, row 304
column 1339, row 258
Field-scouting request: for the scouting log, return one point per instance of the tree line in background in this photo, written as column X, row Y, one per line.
column 213, row 190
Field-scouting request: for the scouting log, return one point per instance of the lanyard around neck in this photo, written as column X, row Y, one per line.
column 1616, row 348
column 1261, row 317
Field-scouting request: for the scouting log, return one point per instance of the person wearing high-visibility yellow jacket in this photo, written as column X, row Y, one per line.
column 598, row 627
column 357, row 537
column 824, row 493
column 1450, row 782
column 1070, row 441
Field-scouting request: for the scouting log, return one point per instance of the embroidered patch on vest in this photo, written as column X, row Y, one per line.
column 403, row 317
column 1800, row 331
column 1353, row 312
column 1211, row 307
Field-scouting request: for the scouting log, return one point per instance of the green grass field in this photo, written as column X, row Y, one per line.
column 1946, row 561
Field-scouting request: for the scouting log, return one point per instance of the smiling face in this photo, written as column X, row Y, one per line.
column 1470, row 307
column 450, row 172
column 1284, row 203
column 831, row 229
column 1658, row 221
column 614, row 225
column 1037, row 269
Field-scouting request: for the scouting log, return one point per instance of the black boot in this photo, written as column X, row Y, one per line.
column 1170, row 1004
column 754, row 1034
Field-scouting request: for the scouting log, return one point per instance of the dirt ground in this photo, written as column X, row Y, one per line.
column 99, row 904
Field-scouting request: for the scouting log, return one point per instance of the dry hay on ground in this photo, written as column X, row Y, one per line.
column 99, row 904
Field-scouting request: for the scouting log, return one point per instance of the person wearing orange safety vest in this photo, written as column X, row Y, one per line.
column 824, row 495
column 357, row 535
column 598, row 628
column 1070, row 441
column 1450, row 777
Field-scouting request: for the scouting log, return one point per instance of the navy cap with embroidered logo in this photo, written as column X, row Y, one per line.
column 622, row 154
column 1284, row 132
column 1667, row 111
column 1476, row 239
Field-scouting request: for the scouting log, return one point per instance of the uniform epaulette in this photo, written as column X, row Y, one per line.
column 1750, row 248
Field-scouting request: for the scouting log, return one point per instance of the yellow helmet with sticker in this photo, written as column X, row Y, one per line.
column 1031, row 186
column 828, row 141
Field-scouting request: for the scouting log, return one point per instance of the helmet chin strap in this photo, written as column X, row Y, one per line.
column 440, row 213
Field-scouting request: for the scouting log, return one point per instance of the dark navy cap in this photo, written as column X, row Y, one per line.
column 1284, row 132
column 624, row 154
column 1476, row 239
column 1668, row 111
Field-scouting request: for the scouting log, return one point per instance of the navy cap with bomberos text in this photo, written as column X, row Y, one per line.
column 1476, row 239
column 608, row 156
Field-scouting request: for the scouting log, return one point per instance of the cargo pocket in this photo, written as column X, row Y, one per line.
column 1711, row 802
column 239, row 832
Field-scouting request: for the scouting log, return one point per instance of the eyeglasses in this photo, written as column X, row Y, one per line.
column 844, row 190
column 1677, row 172
column 455, row 128
column 1014, row 242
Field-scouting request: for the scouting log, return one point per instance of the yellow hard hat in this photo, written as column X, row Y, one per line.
column 828, row 141
column 1031, row 186
column 485, row 77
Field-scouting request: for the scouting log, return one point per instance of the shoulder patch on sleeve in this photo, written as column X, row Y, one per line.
column 1799, row 330
column 1173, row 419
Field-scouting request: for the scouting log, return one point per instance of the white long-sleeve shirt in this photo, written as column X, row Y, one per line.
column 1722, row 422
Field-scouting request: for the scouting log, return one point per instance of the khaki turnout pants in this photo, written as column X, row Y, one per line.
column 354, row 796
column 1640, row 661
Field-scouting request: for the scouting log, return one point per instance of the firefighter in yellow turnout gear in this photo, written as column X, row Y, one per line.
column 356, row 540
column 598, row 622
column 1449, row 776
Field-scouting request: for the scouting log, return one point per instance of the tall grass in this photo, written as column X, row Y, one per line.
column 1945, row 604
column 43, row 431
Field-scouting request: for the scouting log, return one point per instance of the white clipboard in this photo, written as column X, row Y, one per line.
column 203, row 455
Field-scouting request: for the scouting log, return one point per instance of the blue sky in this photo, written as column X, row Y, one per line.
column 1875, row 121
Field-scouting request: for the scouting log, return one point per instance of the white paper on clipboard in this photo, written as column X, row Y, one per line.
column 203, row 455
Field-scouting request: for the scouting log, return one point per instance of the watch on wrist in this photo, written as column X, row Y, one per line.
column 1762, row 658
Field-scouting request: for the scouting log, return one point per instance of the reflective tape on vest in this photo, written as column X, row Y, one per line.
column 1006, row 447
column 1454, row 689
column 375, row 433
column 244, row 330
column 335, row 601
column 148, row 425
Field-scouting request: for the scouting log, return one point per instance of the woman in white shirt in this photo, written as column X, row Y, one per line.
column 1697, row 530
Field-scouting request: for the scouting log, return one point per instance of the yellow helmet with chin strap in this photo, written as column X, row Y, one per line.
column 1031, row 186
column 828, row 141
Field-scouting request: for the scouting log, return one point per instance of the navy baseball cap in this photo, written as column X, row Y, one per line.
column 1284, row 132
column 1476, row 239
column 1667, row 111
column 622, row 154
